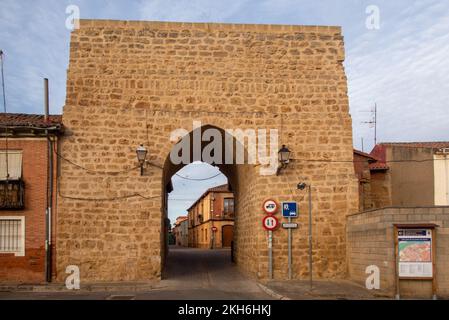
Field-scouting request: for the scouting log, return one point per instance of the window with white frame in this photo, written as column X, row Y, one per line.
column 12, row 235
column 12, row 187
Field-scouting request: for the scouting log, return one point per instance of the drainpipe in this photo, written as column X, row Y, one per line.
column 48, row 212
column 446, row 166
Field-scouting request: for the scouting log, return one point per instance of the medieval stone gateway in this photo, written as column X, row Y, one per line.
column 135, row 82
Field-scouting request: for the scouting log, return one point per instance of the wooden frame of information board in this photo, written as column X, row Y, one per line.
column 430, row 227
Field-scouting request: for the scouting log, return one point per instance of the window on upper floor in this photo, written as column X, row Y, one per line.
column 228, row 206
column 11, row 183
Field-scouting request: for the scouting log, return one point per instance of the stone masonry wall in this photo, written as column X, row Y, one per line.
column 134, row 82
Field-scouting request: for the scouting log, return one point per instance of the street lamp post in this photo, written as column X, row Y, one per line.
column 284, row 158
column 141, row 152
column 302, row 186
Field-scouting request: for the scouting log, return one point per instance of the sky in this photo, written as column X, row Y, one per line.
column 402, row 66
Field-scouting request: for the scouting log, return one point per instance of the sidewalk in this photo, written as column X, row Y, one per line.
column 322, row 289
column 86, row 287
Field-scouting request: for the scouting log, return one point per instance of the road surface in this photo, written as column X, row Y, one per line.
column 189, row 274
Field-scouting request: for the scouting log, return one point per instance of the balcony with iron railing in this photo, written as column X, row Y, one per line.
column 12, row 194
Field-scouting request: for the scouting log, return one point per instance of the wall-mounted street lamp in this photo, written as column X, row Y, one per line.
column 141, row 152
column 284, row 158
column 302, row 186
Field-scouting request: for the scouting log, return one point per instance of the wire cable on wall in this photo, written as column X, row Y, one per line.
column 199, row 179
column 90, row 170
column 134, row 195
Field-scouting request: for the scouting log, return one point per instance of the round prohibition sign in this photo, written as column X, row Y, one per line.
column 270, row 223
column 270, row 206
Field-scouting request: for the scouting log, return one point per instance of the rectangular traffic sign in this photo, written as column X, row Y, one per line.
column 289, row 209
column 290, row 225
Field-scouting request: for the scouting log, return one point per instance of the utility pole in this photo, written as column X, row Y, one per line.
column 302, row 186
column 310, row 238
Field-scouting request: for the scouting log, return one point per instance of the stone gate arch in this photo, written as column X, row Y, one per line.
column 133, row 82
column 238, row 175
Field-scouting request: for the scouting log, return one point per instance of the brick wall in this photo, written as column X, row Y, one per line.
column 370, row 238
column 31, row 267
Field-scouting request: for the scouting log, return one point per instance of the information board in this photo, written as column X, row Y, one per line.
column 415, row 253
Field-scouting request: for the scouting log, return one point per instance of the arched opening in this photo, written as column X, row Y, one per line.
column 205, row 193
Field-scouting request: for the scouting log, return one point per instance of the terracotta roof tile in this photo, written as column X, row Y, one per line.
column 223, row 187
column 220, row 188
column 433, row 144
column 29, row 120
column 378, row 166
column 366, row 155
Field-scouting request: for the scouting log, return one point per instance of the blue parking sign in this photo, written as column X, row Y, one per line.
column 289, row 210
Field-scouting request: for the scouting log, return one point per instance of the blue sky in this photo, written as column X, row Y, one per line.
column 403, row 66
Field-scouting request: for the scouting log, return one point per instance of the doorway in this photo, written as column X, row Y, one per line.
column 227, row 233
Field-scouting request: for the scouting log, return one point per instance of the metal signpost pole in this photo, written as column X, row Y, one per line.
column 289, row 250
column 270, row 255
column 310, row 237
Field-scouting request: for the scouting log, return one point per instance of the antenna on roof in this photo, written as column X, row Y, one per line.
column 373, row 122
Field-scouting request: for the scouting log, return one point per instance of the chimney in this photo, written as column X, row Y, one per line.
column 46, row 104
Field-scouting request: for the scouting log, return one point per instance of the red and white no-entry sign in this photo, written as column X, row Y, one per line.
column 270, row 206
column 270, row 223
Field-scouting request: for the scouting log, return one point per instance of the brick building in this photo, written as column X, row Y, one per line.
column 211, row 219
column 25, row 196
column 180, row 230
column 374, row 181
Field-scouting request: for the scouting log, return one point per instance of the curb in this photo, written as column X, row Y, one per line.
column 272, row 292
column 84, row 288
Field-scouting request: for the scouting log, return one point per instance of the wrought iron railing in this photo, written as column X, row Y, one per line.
column 12, row 194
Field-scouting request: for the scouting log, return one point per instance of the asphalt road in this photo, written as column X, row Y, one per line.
column 189, row 274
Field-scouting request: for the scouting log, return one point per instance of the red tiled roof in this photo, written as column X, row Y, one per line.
column 374, row 163
column 379, row 152
column 378, row 166
column 180, row 219
column 29, row 120
column 433, row 145
column 363, row 154
column 220, row 188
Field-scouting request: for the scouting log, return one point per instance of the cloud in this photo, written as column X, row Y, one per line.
column 403, row 67
column 190, row 10
column 35, row 42
column 191, row 190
